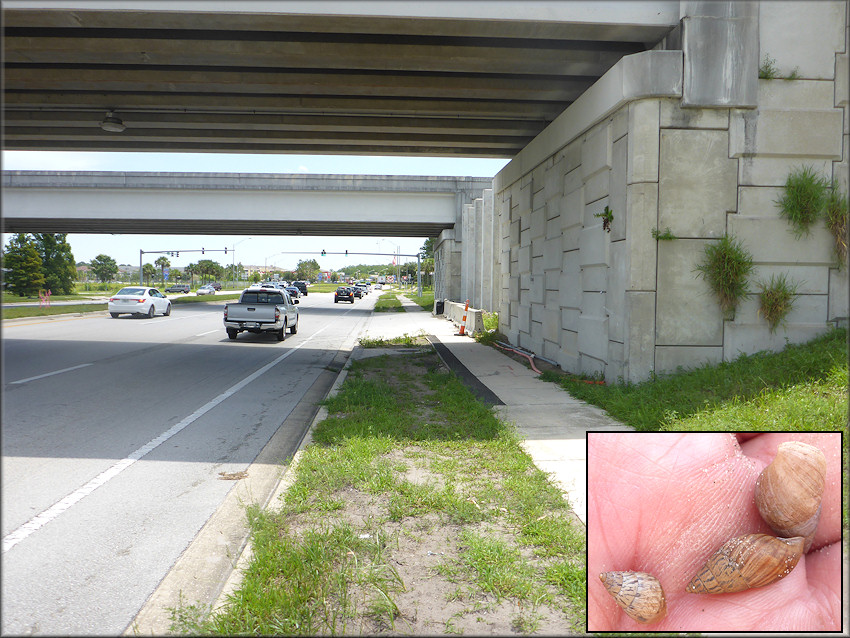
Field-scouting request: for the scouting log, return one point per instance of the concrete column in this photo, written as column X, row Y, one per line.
column 721, row 47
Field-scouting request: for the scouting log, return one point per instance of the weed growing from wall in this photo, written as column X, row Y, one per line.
column 768, row 70
column 667, row 235
column 836, row 222
column 776, row 300
column 803, row 199
column 726, row 266
column 607, row 216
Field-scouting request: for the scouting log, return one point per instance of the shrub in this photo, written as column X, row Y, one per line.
column 804, row 199
column 776, row 300
column 768, row 70
column 726, row 267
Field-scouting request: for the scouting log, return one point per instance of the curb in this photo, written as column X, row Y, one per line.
column 287, row 479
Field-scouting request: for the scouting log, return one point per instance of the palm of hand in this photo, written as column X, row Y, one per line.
column 664, row 503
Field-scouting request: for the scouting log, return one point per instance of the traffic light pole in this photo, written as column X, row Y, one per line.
column 173, row 253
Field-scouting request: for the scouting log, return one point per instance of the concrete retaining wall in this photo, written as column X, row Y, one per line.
column 454, row 312
column 620, row 302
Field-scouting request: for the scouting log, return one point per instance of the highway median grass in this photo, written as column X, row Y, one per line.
column 19, row 312
column 414, row 510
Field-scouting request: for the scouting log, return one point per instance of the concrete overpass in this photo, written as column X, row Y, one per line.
column 455, row 77
column 234, row 204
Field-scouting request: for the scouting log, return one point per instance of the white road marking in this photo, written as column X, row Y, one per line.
column 50, row 374
column 208, row 332
column 40, row 520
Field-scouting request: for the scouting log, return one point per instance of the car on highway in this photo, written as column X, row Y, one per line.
column 215, row 285
column 343, row 293
column 178, row 288
column 293, row 291
column 206, row 290
column 302, row 286
column 357, row 292
column 138, row 300
column 362, row 288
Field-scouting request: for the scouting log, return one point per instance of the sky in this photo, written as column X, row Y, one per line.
column 255, row 250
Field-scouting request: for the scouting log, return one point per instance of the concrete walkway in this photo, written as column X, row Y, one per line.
column 553, row 424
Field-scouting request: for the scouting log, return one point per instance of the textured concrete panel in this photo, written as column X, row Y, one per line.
column 573, row 181
column 773, row 171
column 617, row 276
column 568, row 358
column 639, row 346
column 594, row 278
column 697, row 183
column 643, row 141
column 721, row 54
column 670, row 358
column 783, row 247
column 805, row 134
column 797, row 95
column 538, row 223
column 642, row 217
column 687, row 311
column 596, row 187
column 672, row 115
column 619, row 124
column 617, row 187
column 552, row 254
column 839, row 295
column 810, row 280
column 596, row 150
column 552, row 324
column 593, row 326
column 818, row 32
column 594, row 246
column 569, row 319
column 570, row 281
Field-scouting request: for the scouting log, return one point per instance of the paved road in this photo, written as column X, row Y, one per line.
column 114, row 435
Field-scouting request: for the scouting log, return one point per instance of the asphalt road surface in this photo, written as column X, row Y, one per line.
column 114, row 435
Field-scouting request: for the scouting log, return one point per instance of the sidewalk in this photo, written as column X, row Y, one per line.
column 552, row 423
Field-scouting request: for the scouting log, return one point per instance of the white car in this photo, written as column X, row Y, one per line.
column 138, row 300
column 206, row 290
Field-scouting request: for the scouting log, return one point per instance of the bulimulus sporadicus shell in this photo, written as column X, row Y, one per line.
column 789, row 490
column 746, row 562
column 638, row 593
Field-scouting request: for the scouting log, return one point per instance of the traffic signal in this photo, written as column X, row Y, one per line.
column 202, row 251
column 346, row 252
column 323, row 252
column 178, row 254
column 225, row 250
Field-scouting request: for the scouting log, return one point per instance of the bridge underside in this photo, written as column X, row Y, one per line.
column 467, row 79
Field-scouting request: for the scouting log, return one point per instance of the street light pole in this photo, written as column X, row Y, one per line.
column 234, row 258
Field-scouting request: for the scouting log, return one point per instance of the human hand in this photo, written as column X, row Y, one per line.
column 663, row 503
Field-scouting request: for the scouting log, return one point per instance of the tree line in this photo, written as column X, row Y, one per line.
column 39, row 261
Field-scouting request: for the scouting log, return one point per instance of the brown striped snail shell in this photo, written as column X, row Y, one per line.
column 638, row 593
column 746, row 562
column 790, row 489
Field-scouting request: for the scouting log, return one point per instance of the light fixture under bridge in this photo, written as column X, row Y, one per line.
column 112, row 124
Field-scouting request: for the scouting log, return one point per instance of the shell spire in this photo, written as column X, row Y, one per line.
column 638, row 593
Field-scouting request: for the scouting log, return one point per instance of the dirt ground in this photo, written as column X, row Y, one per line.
column 434, row 594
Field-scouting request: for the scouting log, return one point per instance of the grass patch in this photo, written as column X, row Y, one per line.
column 776, row 300
column 406, row 340
column 754, row 392
column 803, row 199
column 426, row 301
column 388, row 302
column 410, row 482
column 16, row 312
column 726, row 266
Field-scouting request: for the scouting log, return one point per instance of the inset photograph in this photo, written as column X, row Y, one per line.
column 714, row 531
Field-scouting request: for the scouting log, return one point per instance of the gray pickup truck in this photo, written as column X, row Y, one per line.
column 262, row 310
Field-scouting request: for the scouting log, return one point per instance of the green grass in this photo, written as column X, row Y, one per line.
column 35, row 311
column 388, row 302
column 314, row 571
column 426, row 301
column 726, row 266
column 804, row 198
column 804, row 387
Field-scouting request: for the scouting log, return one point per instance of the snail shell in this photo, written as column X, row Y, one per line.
column 790, row 489
column 745, row 562
column 638, row 593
